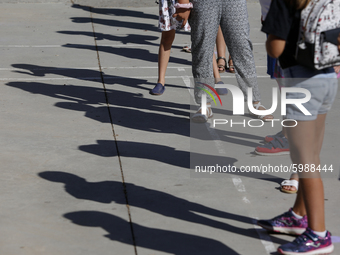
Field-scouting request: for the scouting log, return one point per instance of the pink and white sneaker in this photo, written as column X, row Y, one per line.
column 285, row 223
column 308, row 244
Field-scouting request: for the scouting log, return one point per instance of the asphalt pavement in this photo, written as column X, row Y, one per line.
column 91, row 163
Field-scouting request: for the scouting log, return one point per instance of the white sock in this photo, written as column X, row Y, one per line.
column 321, row 234
column 296, row 215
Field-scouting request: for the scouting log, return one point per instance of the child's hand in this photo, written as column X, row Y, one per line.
column 182, row 14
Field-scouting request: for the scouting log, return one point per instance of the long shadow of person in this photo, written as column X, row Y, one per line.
column 116, row 23
column 129, row 38
column 151, row 238
column 138, row 54
column 119, row 23
column 117, row 12
column 74, row 73
column 160, row 153
column 133, row 115
column 171, row 156
column 81, row 74
column 85, row 99
column 151, row 200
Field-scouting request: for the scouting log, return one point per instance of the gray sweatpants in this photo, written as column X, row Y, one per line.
column 232, row 15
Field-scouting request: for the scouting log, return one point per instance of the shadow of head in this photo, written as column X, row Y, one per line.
column 152, row 238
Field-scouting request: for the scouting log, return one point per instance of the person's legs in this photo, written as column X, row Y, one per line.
column 231, row 67
column 305, row 142
column 164, row 54
column 216, row 70
column 204, row 20
column 310, row 199
column 221, row 50
column 220, row 91
column 235, row 28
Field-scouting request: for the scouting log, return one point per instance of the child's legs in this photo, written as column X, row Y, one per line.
column 313, row 194
column 305, row 141
column 235, row 28
column 164, row 53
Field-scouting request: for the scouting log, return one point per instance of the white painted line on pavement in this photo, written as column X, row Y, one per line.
column 105, row 76
column 237, row 181
column 49, row 69
column 104, row 45
column 239, row 185
column 96, row 68
column 49, row 79
column 30, row 46
column 155, row 67
column 265, row 238
column 186, row 80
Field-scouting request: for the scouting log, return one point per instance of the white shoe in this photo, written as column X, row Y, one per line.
column 198, row 117
column 262, row 117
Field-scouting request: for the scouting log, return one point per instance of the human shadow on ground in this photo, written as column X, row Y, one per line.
column 147, row 114
column 130, row 110
column 161, row 153
column 152, row 200
column 119, row 23
column 75, row 73
column 119, row 12
column 85, row 74
column 116, row 23
column 132, row 115
column 125, row 39
column 132, row 53
column 171, row 156
column 129, row 38
column 167, row 241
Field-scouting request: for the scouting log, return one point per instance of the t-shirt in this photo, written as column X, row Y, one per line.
column 283, row 21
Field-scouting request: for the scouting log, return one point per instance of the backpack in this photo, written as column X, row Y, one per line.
column 319, row 29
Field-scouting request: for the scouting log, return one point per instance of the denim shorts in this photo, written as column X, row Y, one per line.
column 322, row 84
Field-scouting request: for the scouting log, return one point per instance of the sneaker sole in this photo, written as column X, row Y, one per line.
column 321, row 251
column 272, row 153
column 200, row 119
column 154, row 94
column 289, row 231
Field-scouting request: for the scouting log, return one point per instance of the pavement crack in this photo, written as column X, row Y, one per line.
column 114, row 135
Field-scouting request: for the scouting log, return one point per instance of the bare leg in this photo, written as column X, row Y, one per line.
column 305, row 142
column 221, row 50
column 216, row 70
column 231, row 65
column 164, row 53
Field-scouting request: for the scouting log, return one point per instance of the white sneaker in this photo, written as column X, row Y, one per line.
column 198, row 117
